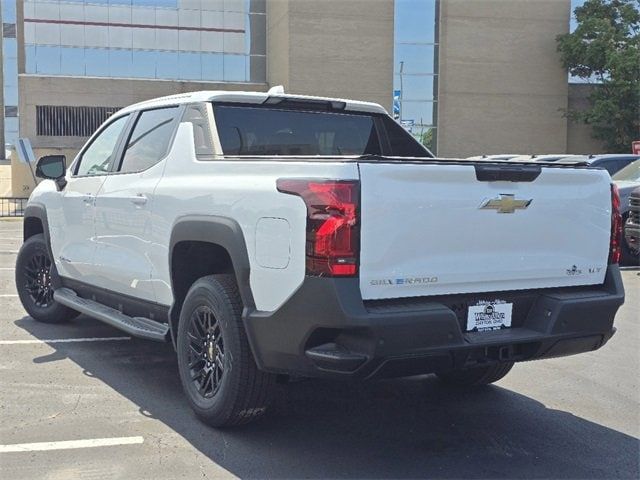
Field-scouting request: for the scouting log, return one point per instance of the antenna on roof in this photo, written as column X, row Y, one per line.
column 276, row 90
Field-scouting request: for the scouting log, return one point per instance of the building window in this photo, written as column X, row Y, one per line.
column 9, row 30
column 9, row 83
column 60, row 121
column 9, row 11
column 158, row 39
column 415, row 81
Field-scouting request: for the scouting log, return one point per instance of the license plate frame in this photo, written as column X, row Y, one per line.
column 489, row 315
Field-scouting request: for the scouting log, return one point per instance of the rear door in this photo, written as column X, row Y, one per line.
column 437, row 228
column 123, row 206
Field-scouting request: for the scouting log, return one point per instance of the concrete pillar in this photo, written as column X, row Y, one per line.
column 502, row 87
column 332, row 48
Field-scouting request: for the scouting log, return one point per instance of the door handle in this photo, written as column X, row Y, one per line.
column 139, row 199
column 88, row 199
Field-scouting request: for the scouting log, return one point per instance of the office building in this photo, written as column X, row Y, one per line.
column 466, row 77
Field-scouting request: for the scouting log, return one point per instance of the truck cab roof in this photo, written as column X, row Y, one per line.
column 250, row 98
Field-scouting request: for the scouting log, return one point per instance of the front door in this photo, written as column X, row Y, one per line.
column 73, row 224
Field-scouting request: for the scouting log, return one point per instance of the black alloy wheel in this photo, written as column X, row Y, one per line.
column 206, row 351
column 37, row 273
column 219, row 375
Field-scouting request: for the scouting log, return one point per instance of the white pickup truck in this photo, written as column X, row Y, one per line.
column 270, row 236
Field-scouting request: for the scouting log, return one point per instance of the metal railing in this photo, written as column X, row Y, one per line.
column 12, row 206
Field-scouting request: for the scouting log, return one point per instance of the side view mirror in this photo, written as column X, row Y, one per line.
column 52, row 167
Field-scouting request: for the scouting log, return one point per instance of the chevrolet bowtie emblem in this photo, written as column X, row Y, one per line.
column 507, row 203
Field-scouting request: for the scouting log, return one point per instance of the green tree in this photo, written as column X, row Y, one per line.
column 604, row 49
column 426, row 138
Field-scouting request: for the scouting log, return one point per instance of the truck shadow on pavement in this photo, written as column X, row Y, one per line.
column 408, row 428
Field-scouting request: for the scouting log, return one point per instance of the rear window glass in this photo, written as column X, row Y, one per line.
column 629, row 173
column 401, row 143
column 270, row 131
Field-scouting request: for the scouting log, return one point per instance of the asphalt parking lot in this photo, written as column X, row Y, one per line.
column 108, row 406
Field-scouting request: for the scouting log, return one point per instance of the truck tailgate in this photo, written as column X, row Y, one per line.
column 434, row 229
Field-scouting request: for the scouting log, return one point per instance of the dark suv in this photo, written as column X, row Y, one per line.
column 632, row 226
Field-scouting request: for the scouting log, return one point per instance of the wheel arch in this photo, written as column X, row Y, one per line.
column 219, row 233
column 36, row 222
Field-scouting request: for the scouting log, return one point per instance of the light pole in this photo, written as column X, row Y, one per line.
column 401, row 88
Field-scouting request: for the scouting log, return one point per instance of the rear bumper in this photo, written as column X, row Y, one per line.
column 326, row 330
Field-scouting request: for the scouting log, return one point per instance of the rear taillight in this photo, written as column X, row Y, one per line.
column 616, row 226
column 332, row 224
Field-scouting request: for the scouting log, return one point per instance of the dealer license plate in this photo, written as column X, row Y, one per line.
column 489, row 315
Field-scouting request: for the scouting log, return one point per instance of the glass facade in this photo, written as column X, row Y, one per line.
column 9, row 71
column 199, row 40
column 415, row 79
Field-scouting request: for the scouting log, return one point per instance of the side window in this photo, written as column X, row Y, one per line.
column 197, row 115
column 97, row 157
column 149, row 140
column 402, row 142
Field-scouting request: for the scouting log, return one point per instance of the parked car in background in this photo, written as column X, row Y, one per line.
column 627, row 180
column 502, row 156
column 554, row 158
column 612, row 163
column 632, row 227
column 542, row 158
column 525, row 158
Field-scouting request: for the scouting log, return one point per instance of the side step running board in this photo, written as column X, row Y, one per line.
column 135, row 326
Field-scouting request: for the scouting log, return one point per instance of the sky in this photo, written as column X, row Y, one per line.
column 574, row 4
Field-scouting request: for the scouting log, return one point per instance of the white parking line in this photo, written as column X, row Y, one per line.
column 9, row 295
column 63, row 340
column 7, row 268
column 66, row 445
column 7, row 252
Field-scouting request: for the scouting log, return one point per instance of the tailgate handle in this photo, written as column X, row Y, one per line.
column 511, row 173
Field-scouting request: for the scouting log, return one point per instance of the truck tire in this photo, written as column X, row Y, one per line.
column 33, row 281
column 476, row 376
column 217, row 369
